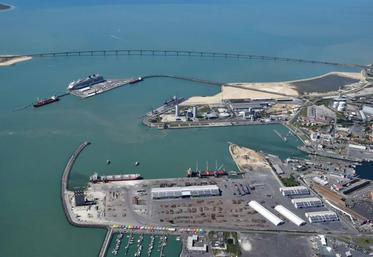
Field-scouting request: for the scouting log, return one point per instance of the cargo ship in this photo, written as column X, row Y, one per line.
column 45, row 101
column 206, row 173
column 95, row 178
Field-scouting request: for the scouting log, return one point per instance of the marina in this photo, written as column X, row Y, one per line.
column 144, row 245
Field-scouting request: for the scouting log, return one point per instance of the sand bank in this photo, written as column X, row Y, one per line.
column 5, row 7
column 275, row 90
column 247, row 159
column 7, row 60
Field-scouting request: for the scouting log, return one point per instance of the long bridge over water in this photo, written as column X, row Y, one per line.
column 187, row 53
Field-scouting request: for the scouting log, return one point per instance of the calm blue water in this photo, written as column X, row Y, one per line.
column 35, row 144
column 365, row 170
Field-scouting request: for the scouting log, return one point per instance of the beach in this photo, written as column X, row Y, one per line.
column 5, row 7
column 7, row 60
column 276, row 90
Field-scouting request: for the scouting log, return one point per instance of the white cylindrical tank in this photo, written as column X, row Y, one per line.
column 266, row 213
column 289, row 215
column 335, row 104
column 194, row 111
column 341, row 106
column 177, row 110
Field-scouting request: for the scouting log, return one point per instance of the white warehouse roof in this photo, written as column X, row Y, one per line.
column 290, row 215
column 321, row 216
column 278, row 169
column 175, row 192
column 266, row 213
column 367, row 109
column 309, row 202
column 297, row 190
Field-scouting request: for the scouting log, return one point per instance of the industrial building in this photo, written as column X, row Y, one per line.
column 367, row 110
column 311, row 202
column 266, row 213
column 290, row 215
column 322, row 216
column 320, row 114
column 180, row 192
column 297, row 190
column 80, row 199
column 278, row 169
column 195, row 244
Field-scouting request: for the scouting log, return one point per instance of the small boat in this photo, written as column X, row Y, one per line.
column 137, row 163
column 108, row 162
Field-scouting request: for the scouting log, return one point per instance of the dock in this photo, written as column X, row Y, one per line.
column 64, row 199
column 106, row 242
column 65, row 180
column 103, row 87
column 204, row 123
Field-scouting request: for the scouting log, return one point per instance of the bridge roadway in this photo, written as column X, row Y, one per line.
column 150, row 52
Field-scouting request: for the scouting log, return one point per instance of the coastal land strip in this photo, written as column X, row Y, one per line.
column 7, row 60
column 276, row 90
column 5, row 7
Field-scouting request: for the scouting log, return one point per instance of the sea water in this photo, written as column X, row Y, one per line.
column 36, row 143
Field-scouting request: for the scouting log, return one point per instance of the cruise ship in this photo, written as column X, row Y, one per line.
column 87, row 82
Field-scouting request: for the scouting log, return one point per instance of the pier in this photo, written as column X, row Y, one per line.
column 64, row 199
column 105, row 244
column 65, row 180
column 187, row 53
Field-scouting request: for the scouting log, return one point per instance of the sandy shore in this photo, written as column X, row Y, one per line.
column 5, row 7
column 247, row 159
column 263, row 90
column 352, row 75
column 274, row 90
column 7, row 60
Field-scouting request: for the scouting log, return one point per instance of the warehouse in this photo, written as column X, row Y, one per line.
column 278, row 169
column 179, row 192
column 265, row 213
column 311, row 202
column 194, row 243
column 297, row 190
column 289, row 215
column 322, row 216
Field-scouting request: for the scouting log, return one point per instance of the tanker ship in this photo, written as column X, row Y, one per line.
column 45, row 101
